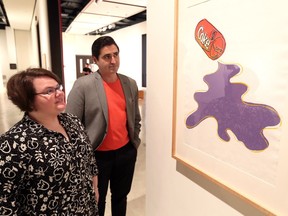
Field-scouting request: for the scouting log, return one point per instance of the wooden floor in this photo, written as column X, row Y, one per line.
column 10, row 114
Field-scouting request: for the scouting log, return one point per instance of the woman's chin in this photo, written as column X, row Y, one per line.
column 61, row 107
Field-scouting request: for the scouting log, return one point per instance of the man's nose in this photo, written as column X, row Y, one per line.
column 113, row 59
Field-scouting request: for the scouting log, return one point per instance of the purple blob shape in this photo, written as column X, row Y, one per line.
column 223, row 102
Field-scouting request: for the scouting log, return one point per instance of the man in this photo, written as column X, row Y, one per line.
column 87, row 70
column 107, row 104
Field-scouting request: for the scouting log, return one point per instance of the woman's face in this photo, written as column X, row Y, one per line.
column 49, row 98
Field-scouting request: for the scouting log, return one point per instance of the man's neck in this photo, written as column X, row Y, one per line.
column 109, row 78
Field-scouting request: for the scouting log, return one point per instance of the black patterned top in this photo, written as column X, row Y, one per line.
column 42, row 173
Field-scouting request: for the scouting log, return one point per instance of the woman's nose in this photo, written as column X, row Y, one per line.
column 59, row 92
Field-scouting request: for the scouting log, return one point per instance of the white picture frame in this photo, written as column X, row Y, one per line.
column 257, row 44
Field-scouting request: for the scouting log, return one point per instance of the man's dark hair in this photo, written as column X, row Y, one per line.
column 101, row 42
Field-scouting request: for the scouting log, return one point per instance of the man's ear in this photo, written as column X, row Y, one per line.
column 94, row 59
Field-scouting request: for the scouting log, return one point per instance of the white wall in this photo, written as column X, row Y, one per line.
column 8, row 48
column 42, row 15
column 16, row 47
column 21, row 47
column 23, row 43
column 4, row 63
column 129, row 41
column 172, row 189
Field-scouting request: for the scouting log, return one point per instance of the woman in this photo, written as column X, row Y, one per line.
column 47, row 164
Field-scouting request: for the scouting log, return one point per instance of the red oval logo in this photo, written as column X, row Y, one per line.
column 210, row 39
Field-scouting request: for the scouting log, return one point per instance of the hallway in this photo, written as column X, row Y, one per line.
column 10, row 114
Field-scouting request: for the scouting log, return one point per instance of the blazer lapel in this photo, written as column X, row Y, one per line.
column 129, row 101
column 101, row 95
column 126, row 89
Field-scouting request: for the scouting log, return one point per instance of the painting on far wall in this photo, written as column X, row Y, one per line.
column 84, row 62
column 230, row 97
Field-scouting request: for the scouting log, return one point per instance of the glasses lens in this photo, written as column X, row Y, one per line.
column 51, row 91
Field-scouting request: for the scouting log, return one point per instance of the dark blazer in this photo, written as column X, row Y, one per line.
column 87, row 100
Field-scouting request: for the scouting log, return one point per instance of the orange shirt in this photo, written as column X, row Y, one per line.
column 117, row 135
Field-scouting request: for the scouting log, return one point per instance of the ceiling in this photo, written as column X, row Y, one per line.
column 90, row 17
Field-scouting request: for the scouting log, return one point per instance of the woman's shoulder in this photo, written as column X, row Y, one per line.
column 17, row 128
column 69, row 118
column 71, row 121
column 22, row 132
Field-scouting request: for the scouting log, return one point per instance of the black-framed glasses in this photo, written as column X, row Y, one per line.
column 51, row 90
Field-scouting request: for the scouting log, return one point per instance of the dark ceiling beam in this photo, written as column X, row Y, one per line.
column 129, row 21
column 71, row 8
column 3, row 16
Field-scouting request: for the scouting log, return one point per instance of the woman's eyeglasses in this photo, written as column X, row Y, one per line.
column 50, row 90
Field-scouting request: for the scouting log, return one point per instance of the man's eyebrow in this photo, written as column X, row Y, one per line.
column 110, row 54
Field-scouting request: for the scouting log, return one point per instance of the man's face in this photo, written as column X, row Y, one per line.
column 109, row 61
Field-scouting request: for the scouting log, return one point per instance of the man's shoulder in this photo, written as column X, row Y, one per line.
column 125, row 77
column 90, row 78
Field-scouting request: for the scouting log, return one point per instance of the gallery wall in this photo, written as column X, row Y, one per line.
column 129, row 41
column 173, row 188
column 20, row 47
column 169, row 192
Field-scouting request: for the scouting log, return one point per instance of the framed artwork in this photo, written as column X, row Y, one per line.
column 83, row 61
column 231, row 97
